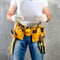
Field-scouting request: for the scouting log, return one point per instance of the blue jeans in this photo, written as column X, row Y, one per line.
column 20, row 49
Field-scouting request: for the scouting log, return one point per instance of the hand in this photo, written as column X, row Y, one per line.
column 42, row 18
column 17, row 18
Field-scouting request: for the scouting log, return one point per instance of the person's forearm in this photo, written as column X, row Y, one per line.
column 9, row 17
column 47, row 12
column 11, row 11
column 48, row 18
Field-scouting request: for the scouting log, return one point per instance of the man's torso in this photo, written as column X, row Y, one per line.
column 29, row 8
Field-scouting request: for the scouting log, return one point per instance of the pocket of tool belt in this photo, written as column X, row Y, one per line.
column 35, row 34
column 19, row 33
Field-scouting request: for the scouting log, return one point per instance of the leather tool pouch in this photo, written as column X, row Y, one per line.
column 19, row 34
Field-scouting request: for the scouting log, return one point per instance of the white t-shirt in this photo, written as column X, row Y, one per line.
column 29, row 8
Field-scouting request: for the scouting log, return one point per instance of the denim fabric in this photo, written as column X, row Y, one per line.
column 20, row 49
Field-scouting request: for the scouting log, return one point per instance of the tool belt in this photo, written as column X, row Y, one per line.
column 37, row 34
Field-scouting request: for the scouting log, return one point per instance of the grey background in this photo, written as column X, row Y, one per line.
column 52, row 40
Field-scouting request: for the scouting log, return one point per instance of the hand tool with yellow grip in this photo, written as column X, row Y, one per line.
column 41, row 41
column 12, row 43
